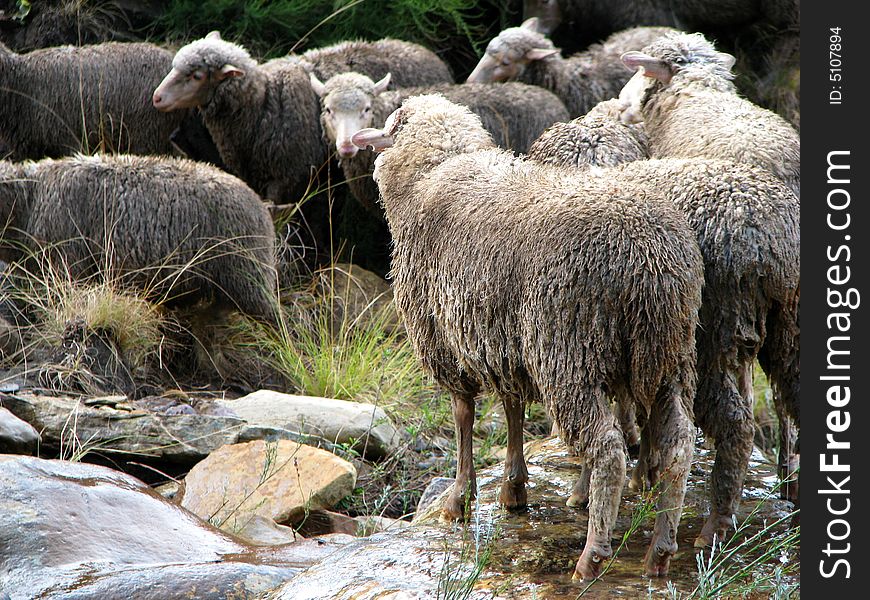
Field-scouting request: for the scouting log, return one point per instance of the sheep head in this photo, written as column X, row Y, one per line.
column 510, row 52
column 681, row 54
column 197, row 70
column 346, row 107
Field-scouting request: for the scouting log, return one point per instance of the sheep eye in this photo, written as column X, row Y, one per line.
column 328, row 110
column 367, row 110
column 197, row 75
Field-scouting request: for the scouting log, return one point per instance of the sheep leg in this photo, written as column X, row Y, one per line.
column 465, row 487
column 780, row 359
column 788, row 461
column 640, row 476
column 625, row 412
column 672, row 438
column 728, row 420
column 606, row 453
column 579, row 497
column 513, row 488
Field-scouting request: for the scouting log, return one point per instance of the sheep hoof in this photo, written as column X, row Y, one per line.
column 658, row 558
column 453, row 509
column 576, row 500
column 591, row 562
column 513, row 497
column 714, row 526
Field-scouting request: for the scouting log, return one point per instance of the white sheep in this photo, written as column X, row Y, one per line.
column 690, row 109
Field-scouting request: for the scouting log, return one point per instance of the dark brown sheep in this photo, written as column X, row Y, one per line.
column 59, row 101
column 581, row 81
column 177, row 230
column 747, row 226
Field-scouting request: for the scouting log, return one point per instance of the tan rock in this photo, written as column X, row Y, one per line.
column 278, row 480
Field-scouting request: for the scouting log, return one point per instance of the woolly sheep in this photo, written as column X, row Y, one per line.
column 407, row 63
column 515, row 114
column 763, row 35
column 179, row 230
column 580, row 81
column 747, row 225
column 58, row 101
column 540, row 286
column 263, row 118
column 690, row 109
column 598, row 138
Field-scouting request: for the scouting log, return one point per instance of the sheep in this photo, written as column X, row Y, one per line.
column 747, row 226
column 407, row 63
column 690, row 109
column 763, row 35
column 580, row 81
column 263, row 119
column 58, row 101
column 540, row 286
column 515, row 114
column 178, row 230
column 598, row 138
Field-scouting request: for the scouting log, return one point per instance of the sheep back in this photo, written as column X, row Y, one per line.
column 409, row 64
column 176, row 229
column 67, row 99
column 515, row 114
column 598, row 138
column 532, row 279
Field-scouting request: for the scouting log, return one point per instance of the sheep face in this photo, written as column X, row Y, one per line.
column 510, row 52
column 197, row 70
column 631, row 97
column 346, row 102
column 686, row 54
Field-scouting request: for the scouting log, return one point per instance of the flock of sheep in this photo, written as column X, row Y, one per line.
column 624, row 268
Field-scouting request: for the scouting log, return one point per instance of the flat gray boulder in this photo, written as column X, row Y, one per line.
column 365, row 426
column 113, row 424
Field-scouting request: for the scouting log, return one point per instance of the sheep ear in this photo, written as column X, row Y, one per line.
column 381, row 86
column 540, row 53
column 317, row 85
column 653, row 67
column 228, row 71
column 213, row 35
column 727, row 60
column 531, row 24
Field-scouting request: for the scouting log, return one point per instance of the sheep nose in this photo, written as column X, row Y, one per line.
column 157, row 99
column 347, row 150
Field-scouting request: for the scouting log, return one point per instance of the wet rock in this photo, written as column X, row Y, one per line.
column 433, row 490
column 323, row 522
column 533, row 552
column 365, row 426
column 113, row 425
column 278, row 480
column 16, row 436
column 262, row 531
column 72, row 530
